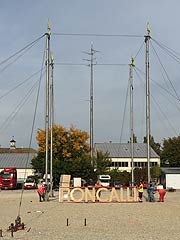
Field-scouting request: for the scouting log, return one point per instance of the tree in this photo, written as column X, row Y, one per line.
column 155, row 172
column 115, row 175
column 71, row 155
column 134, row 139
column 67, row 144
column 155, row 146
column 70, row 152
column 171, row 152
column 140, row 174
column 123, row 177
column 102, row 163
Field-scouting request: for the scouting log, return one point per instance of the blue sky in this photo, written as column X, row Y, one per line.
column 21, row 22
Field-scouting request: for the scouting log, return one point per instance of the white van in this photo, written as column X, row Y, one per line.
column 29, row 183
column 105, row 180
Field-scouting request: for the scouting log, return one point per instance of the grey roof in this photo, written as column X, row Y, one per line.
column 123, row 150
column 171, row 170
column 18, row 160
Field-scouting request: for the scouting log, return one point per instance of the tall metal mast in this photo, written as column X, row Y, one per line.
column 47, row 101
column 51, row 123
column 147, row 38
column 131, row 119
column 91, row 110
column 92, row 106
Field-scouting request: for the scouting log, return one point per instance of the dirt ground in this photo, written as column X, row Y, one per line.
column 55, row 220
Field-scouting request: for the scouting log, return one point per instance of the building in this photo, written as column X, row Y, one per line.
column 120, row 154
column 170, row 177
column 19, row 158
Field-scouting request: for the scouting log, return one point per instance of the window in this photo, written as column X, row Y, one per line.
column 119, row 164
column 139, row 164
column 152, row 164
column 143, row 164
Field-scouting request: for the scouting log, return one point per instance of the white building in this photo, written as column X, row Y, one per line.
column 120, row 154
column 170, row 177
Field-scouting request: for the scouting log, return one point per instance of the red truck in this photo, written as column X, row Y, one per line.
column 8, row 178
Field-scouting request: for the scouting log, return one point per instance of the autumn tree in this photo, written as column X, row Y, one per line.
column 70, row 152
column 67, row 144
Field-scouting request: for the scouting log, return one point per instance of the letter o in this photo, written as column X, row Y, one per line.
column 78, row 199
column 98, row 197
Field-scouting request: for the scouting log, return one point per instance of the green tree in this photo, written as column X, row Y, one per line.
column 155, row 171
column 80, row 167
column 170, row 155
column 134, row 139
column 102, row 163
column 115, row 175
column 123, row 177
column 155, row 146
column 140, row 174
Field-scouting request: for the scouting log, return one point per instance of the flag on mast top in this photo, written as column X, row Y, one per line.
column 132, row 61
column 52, row 58
column 49, row 28
column 148, row 29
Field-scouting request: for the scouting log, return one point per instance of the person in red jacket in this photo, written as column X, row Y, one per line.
column 162, row 192
column 41, row 192
column 97, row 186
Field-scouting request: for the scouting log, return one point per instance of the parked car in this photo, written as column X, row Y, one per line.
column 29, row 183
column 118, row 184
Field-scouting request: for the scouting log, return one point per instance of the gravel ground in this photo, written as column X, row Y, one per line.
column 48, row 220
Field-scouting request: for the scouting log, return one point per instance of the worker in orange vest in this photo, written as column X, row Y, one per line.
column 41, row 192
column 140, row 190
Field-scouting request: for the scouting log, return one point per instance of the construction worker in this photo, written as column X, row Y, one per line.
column 151, row 191
column 161, row 192
column 41, row 192
column 140, row 191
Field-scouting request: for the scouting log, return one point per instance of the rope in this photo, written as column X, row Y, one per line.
column 97, row 64
column 139, row 50
column 157, row 84
column 166, row 73
column 156, row 104
column 35, row 111
column 170, row 51
column 20, row 84
column 22, row 49
column 5, row 124
column 98, row 35
column 17, row 58
column 124, row 112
